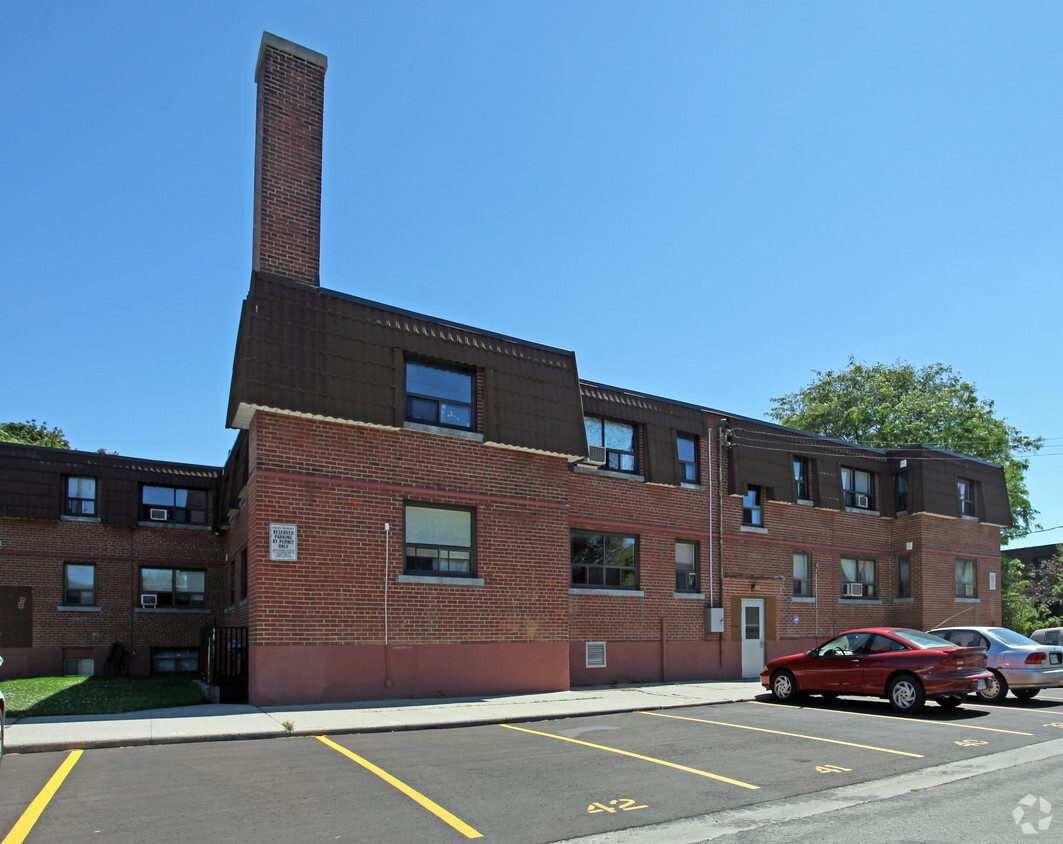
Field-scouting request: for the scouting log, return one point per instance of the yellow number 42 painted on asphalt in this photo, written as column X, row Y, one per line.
column 624, row 805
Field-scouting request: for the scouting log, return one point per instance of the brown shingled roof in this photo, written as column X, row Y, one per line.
column 322, row 353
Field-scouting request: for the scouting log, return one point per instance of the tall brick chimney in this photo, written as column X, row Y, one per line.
column 291, row 93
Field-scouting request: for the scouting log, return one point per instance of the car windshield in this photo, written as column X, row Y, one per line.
column 1010, row 637
column 919, row 639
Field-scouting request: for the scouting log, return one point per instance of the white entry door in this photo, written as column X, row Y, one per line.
column 752, row 637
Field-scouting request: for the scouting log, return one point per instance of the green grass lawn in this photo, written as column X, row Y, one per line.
column 97, row 695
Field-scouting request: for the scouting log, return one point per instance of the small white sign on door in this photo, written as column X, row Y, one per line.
column 283, row 542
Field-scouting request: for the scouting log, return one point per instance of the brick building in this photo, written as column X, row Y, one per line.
column 415, row 507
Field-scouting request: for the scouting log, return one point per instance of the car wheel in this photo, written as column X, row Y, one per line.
column 996, row 689
column 906, row 694
column 784, row 686
column 1025, row 694
column 950, row 701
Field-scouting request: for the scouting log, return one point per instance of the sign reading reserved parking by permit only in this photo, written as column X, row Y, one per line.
column 283, row 542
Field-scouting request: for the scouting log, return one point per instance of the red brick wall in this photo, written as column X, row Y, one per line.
column 32, row 553
column 340, row 483
column 287, row 215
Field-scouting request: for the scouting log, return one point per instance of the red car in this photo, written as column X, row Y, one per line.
column 903, row 666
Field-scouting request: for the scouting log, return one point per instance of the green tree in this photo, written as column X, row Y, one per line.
column 1046, row 591
column 30, row 433
column 1018, row 610
column 893, row 405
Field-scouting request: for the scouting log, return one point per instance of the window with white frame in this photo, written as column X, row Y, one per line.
column 966, row 578
column 802, row 575
column 859, row 578
column 439, row 540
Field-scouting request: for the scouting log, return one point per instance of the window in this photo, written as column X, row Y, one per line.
column 859, row 578
column 902, row 492
column 751, row 507
column 80, row 497
column 243, row 575
column 686, row 566
column 904, row 577
column 688, row 458
column 173, row 504
column 439, row 540
column 174, row 660
column 439, row 395
column 77, row 667
column 859, row 489
column 79, row 587
column 966, row 579
column 175, row 587
column 965, row 489
column 802, row 575
column 617, row 439
column 802, row 472
column 604, row 559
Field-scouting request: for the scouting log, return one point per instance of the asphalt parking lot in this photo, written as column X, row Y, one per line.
column 523, row 782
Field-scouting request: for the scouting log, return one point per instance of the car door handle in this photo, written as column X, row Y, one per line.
column 854, row 661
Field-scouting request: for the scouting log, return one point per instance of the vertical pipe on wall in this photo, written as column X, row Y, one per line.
column 387, row 557
column 664, row 652
column 708, row 451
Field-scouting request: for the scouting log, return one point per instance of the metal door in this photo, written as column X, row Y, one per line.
column 752, row 637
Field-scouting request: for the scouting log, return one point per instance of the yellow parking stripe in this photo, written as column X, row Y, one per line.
column 32, row 814
column 728, row 780
column 414, row 795
column 906, row 719
column 781, row 733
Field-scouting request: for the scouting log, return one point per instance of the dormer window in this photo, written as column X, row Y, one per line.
column 802, row 471
column 80, row 497
column 859, row 489
column 439, row 395
column 902, row 492
column 965, row 490
column 687, row 446
column 173, row 504
column 615, row 442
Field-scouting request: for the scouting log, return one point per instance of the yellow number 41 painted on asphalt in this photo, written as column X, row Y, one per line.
column 614, row 806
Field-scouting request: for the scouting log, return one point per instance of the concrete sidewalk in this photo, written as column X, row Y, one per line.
column 220, row 722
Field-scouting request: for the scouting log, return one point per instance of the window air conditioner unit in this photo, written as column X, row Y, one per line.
column 853, row 590
column 158, row 514
column 863, row 501
column 596, row 455
column 149, row 600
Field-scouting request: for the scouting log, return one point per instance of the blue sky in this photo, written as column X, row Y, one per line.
column 705, row 201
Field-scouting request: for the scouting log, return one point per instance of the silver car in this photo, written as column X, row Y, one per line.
column 1016, row 661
